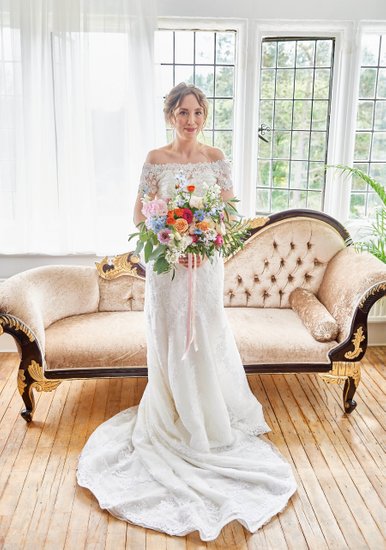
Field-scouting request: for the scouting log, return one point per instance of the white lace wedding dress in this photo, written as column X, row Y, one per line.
column 190, row 456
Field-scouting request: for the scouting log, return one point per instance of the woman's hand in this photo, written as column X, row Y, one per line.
column 183, row 260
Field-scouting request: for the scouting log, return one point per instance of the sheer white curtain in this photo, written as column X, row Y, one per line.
column 77, row 117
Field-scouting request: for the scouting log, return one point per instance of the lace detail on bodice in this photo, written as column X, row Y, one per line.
column 160, row 179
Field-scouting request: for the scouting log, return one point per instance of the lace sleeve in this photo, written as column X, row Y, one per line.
column 148, row 183
column 224, row 176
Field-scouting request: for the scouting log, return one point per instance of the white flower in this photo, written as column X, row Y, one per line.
column 186, row 240
column 211, row 234
column 196, row 202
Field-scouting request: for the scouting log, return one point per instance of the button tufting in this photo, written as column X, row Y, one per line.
column 266, row 294
column 290, row 277
column 266, row 262
column 231, row 293
column 256, row 278
column 247, row 292
column 282, row 262
column 292, row 245
column 239, row 278
column 307, row 276
column 317, row 262
column 281, row 292
column 130, row 298
column 273, row 278
column 274, row 244
column 309, row 245
column 299, row 261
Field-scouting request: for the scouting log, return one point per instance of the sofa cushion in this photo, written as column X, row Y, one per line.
column 102, row 339
column 274, row 335
column 315, row 317
column 112, row 339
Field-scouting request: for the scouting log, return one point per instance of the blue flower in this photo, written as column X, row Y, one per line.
column 199, row 215
column 156, row 224
column 197, row 231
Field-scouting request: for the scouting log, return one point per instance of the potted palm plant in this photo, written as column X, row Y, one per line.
column 373, row 235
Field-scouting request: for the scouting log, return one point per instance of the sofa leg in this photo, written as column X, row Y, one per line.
column 349, row 390
column 31, row 376
column 350, row 374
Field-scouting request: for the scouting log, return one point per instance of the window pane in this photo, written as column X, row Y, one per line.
column 299, row 174
column 225, row 48
column 283, row 115
column 204, row 47
column 304, row 83
column 362, row 146
column 370, row 50
column 380, row 116
column 302, row 115
column 367, row 83
column 224, row 141
column 284, row 83
column 205, row 79
column 224, row 81
column 267, row 84
column 281, row 145
column 379, row 146
column 163, row 46
column 323, row 53
column 305, row 53
column 224, row 113
column 286, row 54
column 320, row 115
column 365, row 115
column 268, row 54
column 183, row 47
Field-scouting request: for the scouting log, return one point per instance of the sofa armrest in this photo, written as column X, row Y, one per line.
column 352, row 281
column 38, row 297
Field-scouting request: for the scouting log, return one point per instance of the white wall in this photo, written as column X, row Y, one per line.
column 283, row 9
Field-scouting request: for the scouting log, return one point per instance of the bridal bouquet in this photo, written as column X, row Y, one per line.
column 188, row 223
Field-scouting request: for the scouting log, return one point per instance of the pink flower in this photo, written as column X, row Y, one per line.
column 156, row 207
column 187, row 215
column 195, row 238
column 219, row 240
column 164, row 236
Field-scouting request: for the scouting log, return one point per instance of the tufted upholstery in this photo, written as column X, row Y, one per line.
column 285, row 255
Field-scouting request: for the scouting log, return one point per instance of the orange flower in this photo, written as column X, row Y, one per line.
column 204, row 226
column 181, row 225
column 178, row 212
column 191, row 188
column 170, row 220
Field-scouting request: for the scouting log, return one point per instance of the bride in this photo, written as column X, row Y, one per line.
column 191, row 455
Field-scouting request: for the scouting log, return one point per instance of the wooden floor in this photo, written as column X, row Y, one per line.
column 339, row 462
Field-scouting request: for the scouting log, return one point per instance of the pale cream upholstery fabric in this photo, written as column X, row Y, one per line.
column 119, row 339
column 289, row 254
column 99, row 339
column 348, row 276
column 315, row 317
column 273, row 335
column 126, row 293
column 42, row 295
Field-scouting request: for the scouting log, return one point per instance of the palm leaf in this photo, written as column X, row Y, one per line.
column 376, row 186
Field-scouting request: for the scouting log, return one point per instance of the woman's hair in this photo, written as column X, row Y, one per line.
column 177, row 94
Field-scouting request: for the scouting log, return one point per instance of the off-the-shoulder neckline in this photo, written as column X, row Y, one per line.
column 184, row 163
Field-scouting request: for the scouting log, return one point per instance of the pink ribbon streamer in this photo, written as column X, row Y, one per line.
column 191, row 318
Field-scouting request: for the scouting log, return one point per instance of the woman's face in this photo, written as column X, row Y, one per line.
column 189, row 118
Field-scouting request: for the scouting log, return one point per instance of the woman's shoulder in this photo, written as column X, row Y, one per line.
column 158, row 156
column 213, row 154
